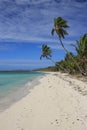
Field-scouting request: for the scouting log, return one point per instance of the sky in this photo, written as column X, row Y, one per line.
column 26, row 24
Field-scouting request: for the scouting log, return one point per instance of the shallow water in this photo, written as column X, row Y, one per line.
column 15, row 85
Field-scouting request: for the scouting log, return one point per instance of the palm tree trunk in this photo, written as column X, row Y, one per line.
column 80, row 70
column 58, row 64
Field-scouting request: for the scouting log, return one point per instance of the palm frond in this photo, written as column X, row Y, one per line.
column 64, row 32
column 52, row 32
column 41, row 57
column 81, row 46
column 73, row 45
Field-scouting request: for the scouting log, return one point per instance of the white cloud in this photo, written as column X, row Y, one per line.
column 20, row 61
column 34, row 2
column 31, row 21
column 24, row 63
column 34, row 18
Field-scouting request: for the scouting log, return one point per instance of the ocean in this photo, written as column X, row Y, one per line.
column 15, row 85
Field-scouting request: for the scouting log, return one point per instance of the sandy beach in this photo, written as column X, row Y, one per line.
column 58, row 102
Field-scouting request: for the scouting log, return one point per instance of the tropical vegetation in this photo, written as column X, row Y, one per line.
column 72, row 63
column 47, row 53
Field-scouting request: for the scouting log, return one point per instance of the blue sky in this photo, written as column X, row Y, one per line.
column 26, row 24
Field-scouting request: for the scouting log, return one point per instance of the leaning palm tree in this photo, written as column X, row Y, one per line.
column 59, row 27
column 46, row 53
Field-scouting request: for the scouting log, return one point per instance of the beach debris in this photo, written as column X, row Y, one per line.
column 78, row 119
column 56, row 121
column 51, row 122
column 73, row 122
column 22, row 129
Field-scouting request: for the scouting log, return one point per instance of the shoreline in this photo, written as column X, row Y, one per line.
column 53, row 104
column 17, row 95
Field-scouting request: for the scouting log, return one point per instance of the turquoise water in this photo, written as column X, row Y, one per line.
column 14, row 85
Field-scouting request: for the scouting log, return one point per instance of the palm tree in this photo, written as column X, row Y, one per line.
column 81, row 46
column 81, row 49
column 46, row 53
column 59, row 27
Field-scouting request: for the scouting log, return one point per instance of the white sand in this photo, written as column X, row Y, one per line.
column 54, row 104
